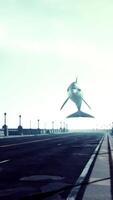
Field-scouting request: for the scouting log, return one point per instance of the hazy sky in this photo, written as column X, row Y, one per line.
column 44, row 45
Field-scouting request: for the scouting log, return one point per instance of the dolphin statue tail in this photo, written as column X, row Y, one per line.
column 79, row 113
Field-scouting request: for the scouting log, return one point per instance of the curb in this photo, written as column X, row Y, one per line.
column 75, row 190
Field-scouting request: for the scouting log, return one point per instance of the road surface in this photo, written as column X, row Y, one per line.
column 43, row 167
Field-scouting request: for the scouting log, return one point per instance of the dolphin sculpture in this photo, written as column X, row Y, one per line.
column 75, row 94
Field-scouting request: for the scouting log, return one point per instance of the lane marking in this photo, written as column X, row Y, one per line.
column 4, row 161
column 29, row 142
column 33, row 141
column 41, row 177
column 59, row 144
column 80, row 154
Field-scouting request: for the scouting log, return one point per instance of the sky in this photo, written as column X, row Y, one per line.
column 44, row 46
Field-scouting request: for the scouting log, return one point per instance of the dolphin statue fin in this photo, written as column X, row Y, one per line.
column 86, row 103
column 64, row 103
column 79, row 113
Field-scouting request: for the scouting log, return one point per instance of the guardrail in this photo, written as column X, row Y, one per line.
column 16, row 132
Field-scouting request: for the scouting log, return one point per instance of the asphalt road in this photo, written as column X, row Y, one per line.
column 43, row 167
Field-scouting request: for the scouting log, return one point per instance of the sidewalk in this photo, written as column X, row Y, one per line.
column 99, row 187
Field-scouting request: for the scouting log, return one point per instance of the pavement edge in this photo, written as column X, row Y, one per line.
column 80, row 182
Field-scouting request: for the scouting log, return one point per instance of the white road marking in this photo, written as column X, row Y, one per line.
column 4, row 161
column 80, row 154
column 59, row 144
column 29, row 142
column 41, row 177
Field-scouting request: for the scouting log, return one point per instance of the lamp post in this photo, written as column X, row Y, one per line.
column 61, row 126
column 64, row 127
column 112, row 124
column 5, row 128
column 5, row 118
column 112, row 128
column 38, row 125
column 20, row 129
column 30, row 124
column 19, row 120
column 53, row 126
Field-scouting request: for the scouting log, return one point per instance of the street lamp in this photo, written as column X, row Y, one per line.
column 112, row 128
column 5, row 128
column 38, row 120
column 5, row 118
column 53, row 126
column 19, row 120
column 64, row 127
column 30, row 124
column 61, row 126
column 20, row 128
column 38, row 123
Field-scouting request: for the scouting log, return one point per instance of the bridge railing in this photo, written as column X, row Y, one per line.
column 25, row 131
